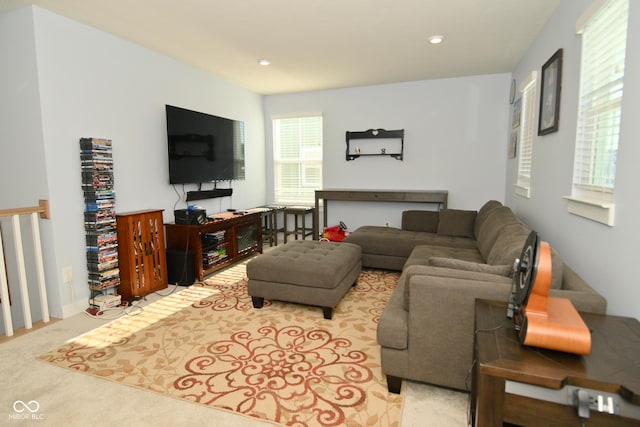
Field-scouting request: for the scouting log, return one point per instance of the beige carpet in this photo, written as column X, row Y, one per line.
column 283, row 363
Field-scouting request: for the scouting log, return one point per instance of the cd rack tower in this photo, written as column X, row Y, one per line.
column 100, row 222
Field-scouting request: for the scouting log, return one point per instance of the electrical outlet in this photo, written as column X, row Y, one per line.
column 598, row 401
column 67, row 274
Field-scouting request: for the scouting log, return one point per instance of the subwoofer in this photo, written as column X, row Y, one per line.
column 180, row 267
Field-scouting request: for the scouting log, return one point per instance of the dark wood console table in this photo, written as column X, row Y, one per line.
column 417, row 196
column 529, row 386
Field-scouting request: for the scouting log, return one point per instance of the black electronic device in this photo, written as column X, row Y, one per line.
column 190, row 216
column 209, row 194
column 524, row 274
column 180, row 267
column 203, row 147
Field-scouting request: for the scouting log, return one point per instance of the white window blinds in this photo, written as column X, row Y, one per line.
column 527, row 132
column 604, row 39
column 297, row 153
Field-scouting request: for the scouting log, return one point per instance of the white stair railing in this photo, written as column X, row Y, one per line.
column 41, row 210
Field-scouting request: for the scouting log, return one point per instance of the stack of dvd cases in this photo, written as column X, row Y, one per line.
column 99, row 217
column 214, row 248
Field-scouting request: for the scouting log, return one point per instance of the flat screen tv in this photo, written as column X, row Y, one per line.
column 203, row 147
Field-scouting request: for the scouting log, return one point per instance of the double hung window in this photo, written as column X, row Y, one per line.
column 526, row 135
column 604, row 40
column 297, row 153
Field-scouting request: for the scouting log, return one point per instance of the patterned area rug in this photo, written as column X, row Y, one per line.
column 283, row 363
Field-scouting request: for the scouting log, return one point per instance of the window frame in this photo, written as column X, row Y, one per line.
column 526, row 134
column 598, row 128
column 308, row 161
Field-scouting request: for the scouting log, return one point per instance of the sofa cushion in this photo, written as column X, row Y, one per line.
column 420, row 258
column 417, row 220
column 380, row 240
column 435, row 239
column 500, row 270
column 456, row 222
column 422, row 253
column 508, row 245
column 483, row 213
column 557, row 269
column 487, row 232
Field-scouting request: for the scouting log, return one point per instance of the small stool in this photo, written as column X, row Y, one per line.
column 298, row 212
column 305, row 272
column 270, row 227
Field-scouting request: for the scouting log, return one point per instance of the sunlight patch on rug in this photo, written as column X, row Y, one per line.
column 153, row 313
column 283, row 363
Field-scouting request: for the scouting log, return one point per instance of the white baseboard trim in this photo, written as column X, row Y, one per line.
column 74, row 307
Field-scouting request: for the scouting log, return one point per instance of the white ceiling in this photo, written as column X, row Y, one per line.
column 321, row 44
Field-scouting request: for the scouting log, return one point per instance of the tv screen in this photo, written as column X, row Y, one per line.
column 203, row 147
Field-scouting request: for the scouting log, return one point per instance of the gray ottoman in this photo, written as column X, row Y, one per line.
column 306, row 272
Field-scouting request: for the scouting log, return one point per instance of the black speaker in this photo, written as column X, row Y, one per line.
column 181, row 267
column 209, row 194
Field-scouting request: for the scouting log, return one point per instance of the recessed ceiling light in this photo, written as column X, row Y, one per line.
column 264, row 62
column 436, row 39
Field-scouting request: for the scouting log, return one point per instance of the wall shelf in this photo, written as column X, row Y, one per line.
column 379, row 142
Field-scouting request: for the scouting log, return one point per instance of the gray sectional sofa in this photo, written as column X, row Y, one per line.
column 449, row 258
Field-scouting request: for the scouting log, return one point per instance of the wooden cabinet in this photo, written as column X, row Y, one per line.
column 225, row 239
column 142, row 255
column 522, row 385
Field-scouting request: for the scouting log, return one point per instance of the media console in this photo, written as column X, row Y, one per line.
column 225, row 239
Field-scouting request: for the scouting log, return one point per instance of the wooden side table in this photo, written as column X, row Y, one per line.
column 530, row 386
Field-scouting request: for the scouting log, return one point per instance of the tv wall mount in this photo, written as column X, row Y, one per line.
column 376, row 142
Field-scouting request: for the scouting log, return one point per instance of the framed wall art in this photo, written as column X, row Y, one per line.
column 517, row 112
column 550, row 94
column 513, row 144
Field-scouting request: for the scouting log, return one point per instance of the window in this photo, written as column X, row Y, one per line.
column 604, row 40
column 297, row 153
column 527, row 132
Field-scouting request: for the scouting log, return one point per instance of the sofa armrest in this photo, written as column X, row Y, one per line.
column 583, row 296
column 418, row 220
column 478, row 267
column 441, row 325
column 393, row 326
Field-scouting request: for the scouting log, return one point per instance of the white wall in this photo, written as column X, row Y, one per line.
column 92, row 84
column 22, row 163
column 62, row 80
column 454, row 140
column 603, row 255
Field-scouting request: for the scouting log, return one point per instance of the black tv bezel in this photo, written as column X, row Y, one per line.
column 189, row 130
